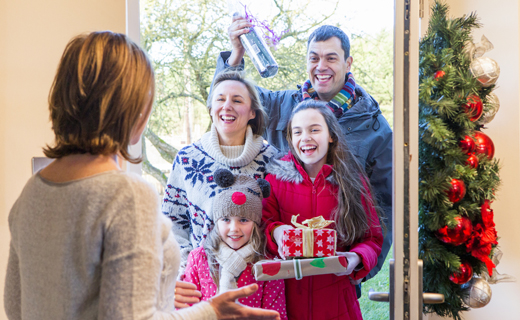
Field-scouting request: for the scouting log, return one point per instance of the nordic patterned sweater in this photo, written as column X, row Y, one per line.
column 190, row 188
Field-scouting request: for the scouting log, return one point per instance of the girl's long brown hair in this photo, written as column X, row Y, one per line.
column 351, row 219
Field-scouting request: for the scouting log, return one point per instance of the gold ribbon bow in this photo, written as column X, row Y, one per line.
column 308, row 232
column 313, row 223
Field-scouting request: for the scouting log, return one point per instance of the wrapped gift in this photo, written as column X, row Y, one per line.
column 298, row 268
column 309, row 239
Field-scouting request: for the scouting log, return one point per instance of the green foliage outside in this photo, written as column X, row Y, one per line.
column 373, row 67
column 373, row 310
column 443, row 122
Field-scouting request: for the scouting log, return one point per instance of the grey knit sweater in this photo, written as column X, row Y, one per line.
column 94, row 248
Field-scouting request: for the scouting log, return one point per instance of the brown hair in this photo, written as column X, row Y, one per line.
column 258, row 122
column 103, row 87
column 350, row 217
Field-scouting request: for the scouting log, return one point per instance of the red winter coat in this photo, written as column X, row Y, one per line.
column 322, row 297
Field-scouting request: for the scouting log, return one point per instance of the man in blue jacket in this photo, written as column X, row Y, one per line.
column 328, row 66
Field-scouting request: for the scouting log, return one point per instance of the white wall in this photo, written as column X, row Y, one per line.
column 33, row 34
column 501, row 27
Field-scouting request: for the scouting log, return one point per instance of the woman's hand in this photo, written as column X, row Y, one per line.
column 186, row 293
column 352, row 261
column 226, row 308
column 278, row 237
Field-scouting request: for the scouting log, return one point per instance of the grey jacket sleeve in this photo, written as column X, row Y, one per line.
column 379, row 169
column 132, row 263
column 13, row 287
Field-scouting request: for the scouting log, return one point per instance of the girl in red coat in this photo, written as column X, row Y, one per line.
column 321, row 177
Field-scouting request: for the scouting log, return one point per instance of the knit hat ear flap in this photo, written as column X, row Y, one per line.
column 265, row 186
column 223, row 178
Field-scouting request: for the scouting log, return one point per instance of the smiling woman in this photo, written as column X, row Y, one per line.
column 231, row 111
column 233, row 143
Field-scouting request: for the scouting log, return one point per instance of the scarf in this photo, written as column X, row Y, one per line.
column 232, row 263
column 341, row 102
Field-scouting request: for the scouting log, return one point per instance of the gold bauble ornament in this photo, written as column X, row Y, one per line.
column 477, row 293
column 486, row 70
column 490, row 109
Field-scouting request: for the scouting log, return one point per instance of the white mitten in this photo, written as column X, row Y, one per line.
column 278, row 238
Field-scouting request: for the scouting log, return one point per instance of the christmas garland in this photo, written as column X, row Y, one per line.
column 457, row 169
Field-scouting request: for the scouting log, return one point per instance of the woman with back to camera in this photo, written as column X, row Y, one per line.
column 87, row 239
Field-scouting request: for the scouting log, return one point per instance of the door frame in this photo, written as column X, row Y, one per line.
column 405, row 302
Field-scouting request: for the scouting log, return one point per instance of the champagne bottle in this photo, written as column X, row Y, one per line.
column 257, row 50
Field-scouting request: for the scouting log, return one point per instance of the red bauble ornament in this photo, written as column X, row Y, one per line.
column 467, row 145
column 439, row 74
column 457, row 235
column 457, row 190
column 464, row 274
column 472, row 161
column 474, row 107
column 484, row 145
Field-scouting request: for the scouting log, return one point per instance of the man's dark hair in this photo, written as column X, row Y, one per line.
column 326, row 32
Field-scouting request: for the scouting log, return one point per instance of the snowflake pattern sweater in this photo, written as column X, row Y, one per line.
column 190, row 188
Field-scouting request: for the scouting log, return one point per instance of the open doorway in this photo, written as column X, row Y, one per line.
column 184, row 38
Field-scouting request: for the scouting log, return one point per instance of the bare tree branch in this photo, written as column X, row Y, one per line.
column 167, row 152
column 149, row 168
column 173, row 95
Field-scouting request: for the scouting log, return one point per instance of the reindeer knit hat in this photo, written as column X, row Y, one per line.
column 239, row 195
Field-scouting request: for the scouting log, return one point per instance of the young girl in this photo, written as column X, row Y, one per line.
column 224, row 261
column 321, row 177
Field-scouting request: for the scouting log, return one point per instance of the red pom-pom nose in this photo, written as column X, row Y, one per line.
column 238, row 198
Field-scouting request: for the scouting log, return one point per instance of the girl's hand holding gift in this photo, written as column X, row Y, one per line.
column 353, row 261
column 278, row 238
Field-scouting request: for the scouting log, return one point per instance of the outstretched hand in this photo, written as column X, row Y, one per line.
column 226, row 308
column 186, row 293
